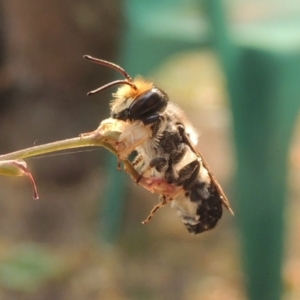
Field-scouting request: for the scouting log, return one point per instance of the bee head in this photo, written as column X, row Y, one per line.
column 136, row 99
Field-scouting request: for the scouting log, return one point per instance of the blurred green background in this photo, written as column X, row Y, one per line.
column 232, row 66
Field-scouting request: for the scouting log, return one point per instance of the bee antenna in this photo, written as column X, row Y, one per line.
column 111, row 84
column 109, row 64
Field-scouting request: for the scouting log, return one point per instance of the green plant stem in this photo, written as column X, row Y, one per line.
column 90, row 140
column 52, row 147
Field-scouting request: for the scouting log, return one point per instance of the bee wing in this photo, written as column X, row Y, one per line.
column 225, row 201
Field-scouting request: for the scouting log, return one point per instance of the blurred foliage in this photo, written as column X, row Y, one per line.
column 28, row 268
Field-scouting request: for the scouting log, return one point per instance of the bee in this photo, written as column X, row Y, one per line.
column 165, row 145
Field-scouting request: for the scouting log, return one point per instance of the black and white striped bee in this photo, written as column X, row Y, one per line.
column 165, row 143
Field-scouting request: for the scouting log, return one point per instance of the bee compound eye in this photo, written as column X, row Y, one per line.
column 149, row 103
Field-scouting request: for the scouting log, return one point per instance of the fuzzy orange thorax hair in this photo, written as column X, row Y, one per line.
column 126, row 91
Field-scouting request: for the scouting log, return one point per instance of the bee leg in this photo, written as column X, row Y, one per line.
column 157, row 185
column 158, row 163
column 163, row 201
column 152, row 183
column 138, row 163
column 188, row 175
column 138, row 160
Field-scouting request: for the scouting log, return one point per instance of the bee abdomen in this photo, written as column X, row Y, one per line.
column 209, row 211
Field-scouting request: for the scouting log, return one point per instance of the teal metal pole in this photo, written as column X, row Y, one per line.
column 264, row 95
column 113, row 202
